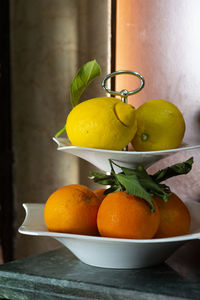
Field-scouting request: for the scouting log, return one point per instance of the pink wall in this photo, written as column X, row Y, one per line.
column 161, row 40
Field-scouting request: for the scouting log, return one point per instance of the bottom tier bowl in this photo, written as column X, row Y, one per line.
column 111, row 252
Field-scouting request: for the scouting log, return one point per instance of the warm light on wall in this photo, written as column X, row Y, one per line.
column 160, row 40
column 127, row 46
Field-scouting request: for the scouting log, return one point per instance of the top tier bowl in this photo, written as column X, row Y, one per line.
column 130, row 159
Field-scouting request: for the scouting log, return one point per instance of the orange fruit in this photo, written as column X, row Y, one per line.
column 72, row 209
column 123, row 215
column 100, row 193
column 174, row 217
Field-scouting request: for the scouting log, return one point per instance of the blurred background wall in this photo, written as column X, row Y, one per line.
column 160, row 40
column 50, row 40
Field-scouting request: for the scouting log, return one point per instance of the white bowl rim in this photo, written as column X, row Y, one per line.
column 182, row 238
column 184, row 147
column 24, row 230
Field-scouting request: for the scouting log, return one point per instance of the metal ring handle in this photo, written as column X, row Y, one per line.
column 124, row 93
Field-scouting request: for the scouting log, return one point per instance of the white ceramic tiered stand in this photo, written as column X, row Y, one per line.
column 112, row 252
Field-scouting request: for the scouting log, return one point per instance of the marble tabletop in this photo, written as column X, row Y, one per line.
column 59, row 275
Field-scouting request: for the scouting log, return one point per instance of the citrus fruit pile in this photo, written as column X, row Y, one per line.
column 108, row 123
column 118, row 213
column 123, row 215
column 136, row 205
column 76, row 209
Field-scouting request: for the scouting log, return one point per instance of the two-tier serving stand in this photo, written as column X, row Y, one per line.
column 114, row 252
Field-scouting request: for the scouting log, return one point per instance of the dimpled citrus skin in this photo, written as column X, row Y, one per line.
column 104, row 123
column 123, row 215
column 174, row 217
column 73, row 209
column 160, row 126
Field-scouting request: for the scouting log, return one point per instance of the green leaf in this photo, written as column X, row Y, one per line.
column 151, row 186
column 147, row 182
column 133, row 186
column 102, row 178
column 97, row 175
column 84, row 76
column 141, row 184
column 174, row 170
column 82, row 79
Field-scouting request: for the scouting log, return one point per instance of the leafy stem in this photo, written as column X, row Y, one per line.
column 139, row 183
column 84, row 76
column 60, row 132
column 82, row 79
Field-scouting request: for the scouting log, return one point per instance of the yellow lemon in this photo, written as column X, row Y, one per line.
column 104, row 123
column 160, row 126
